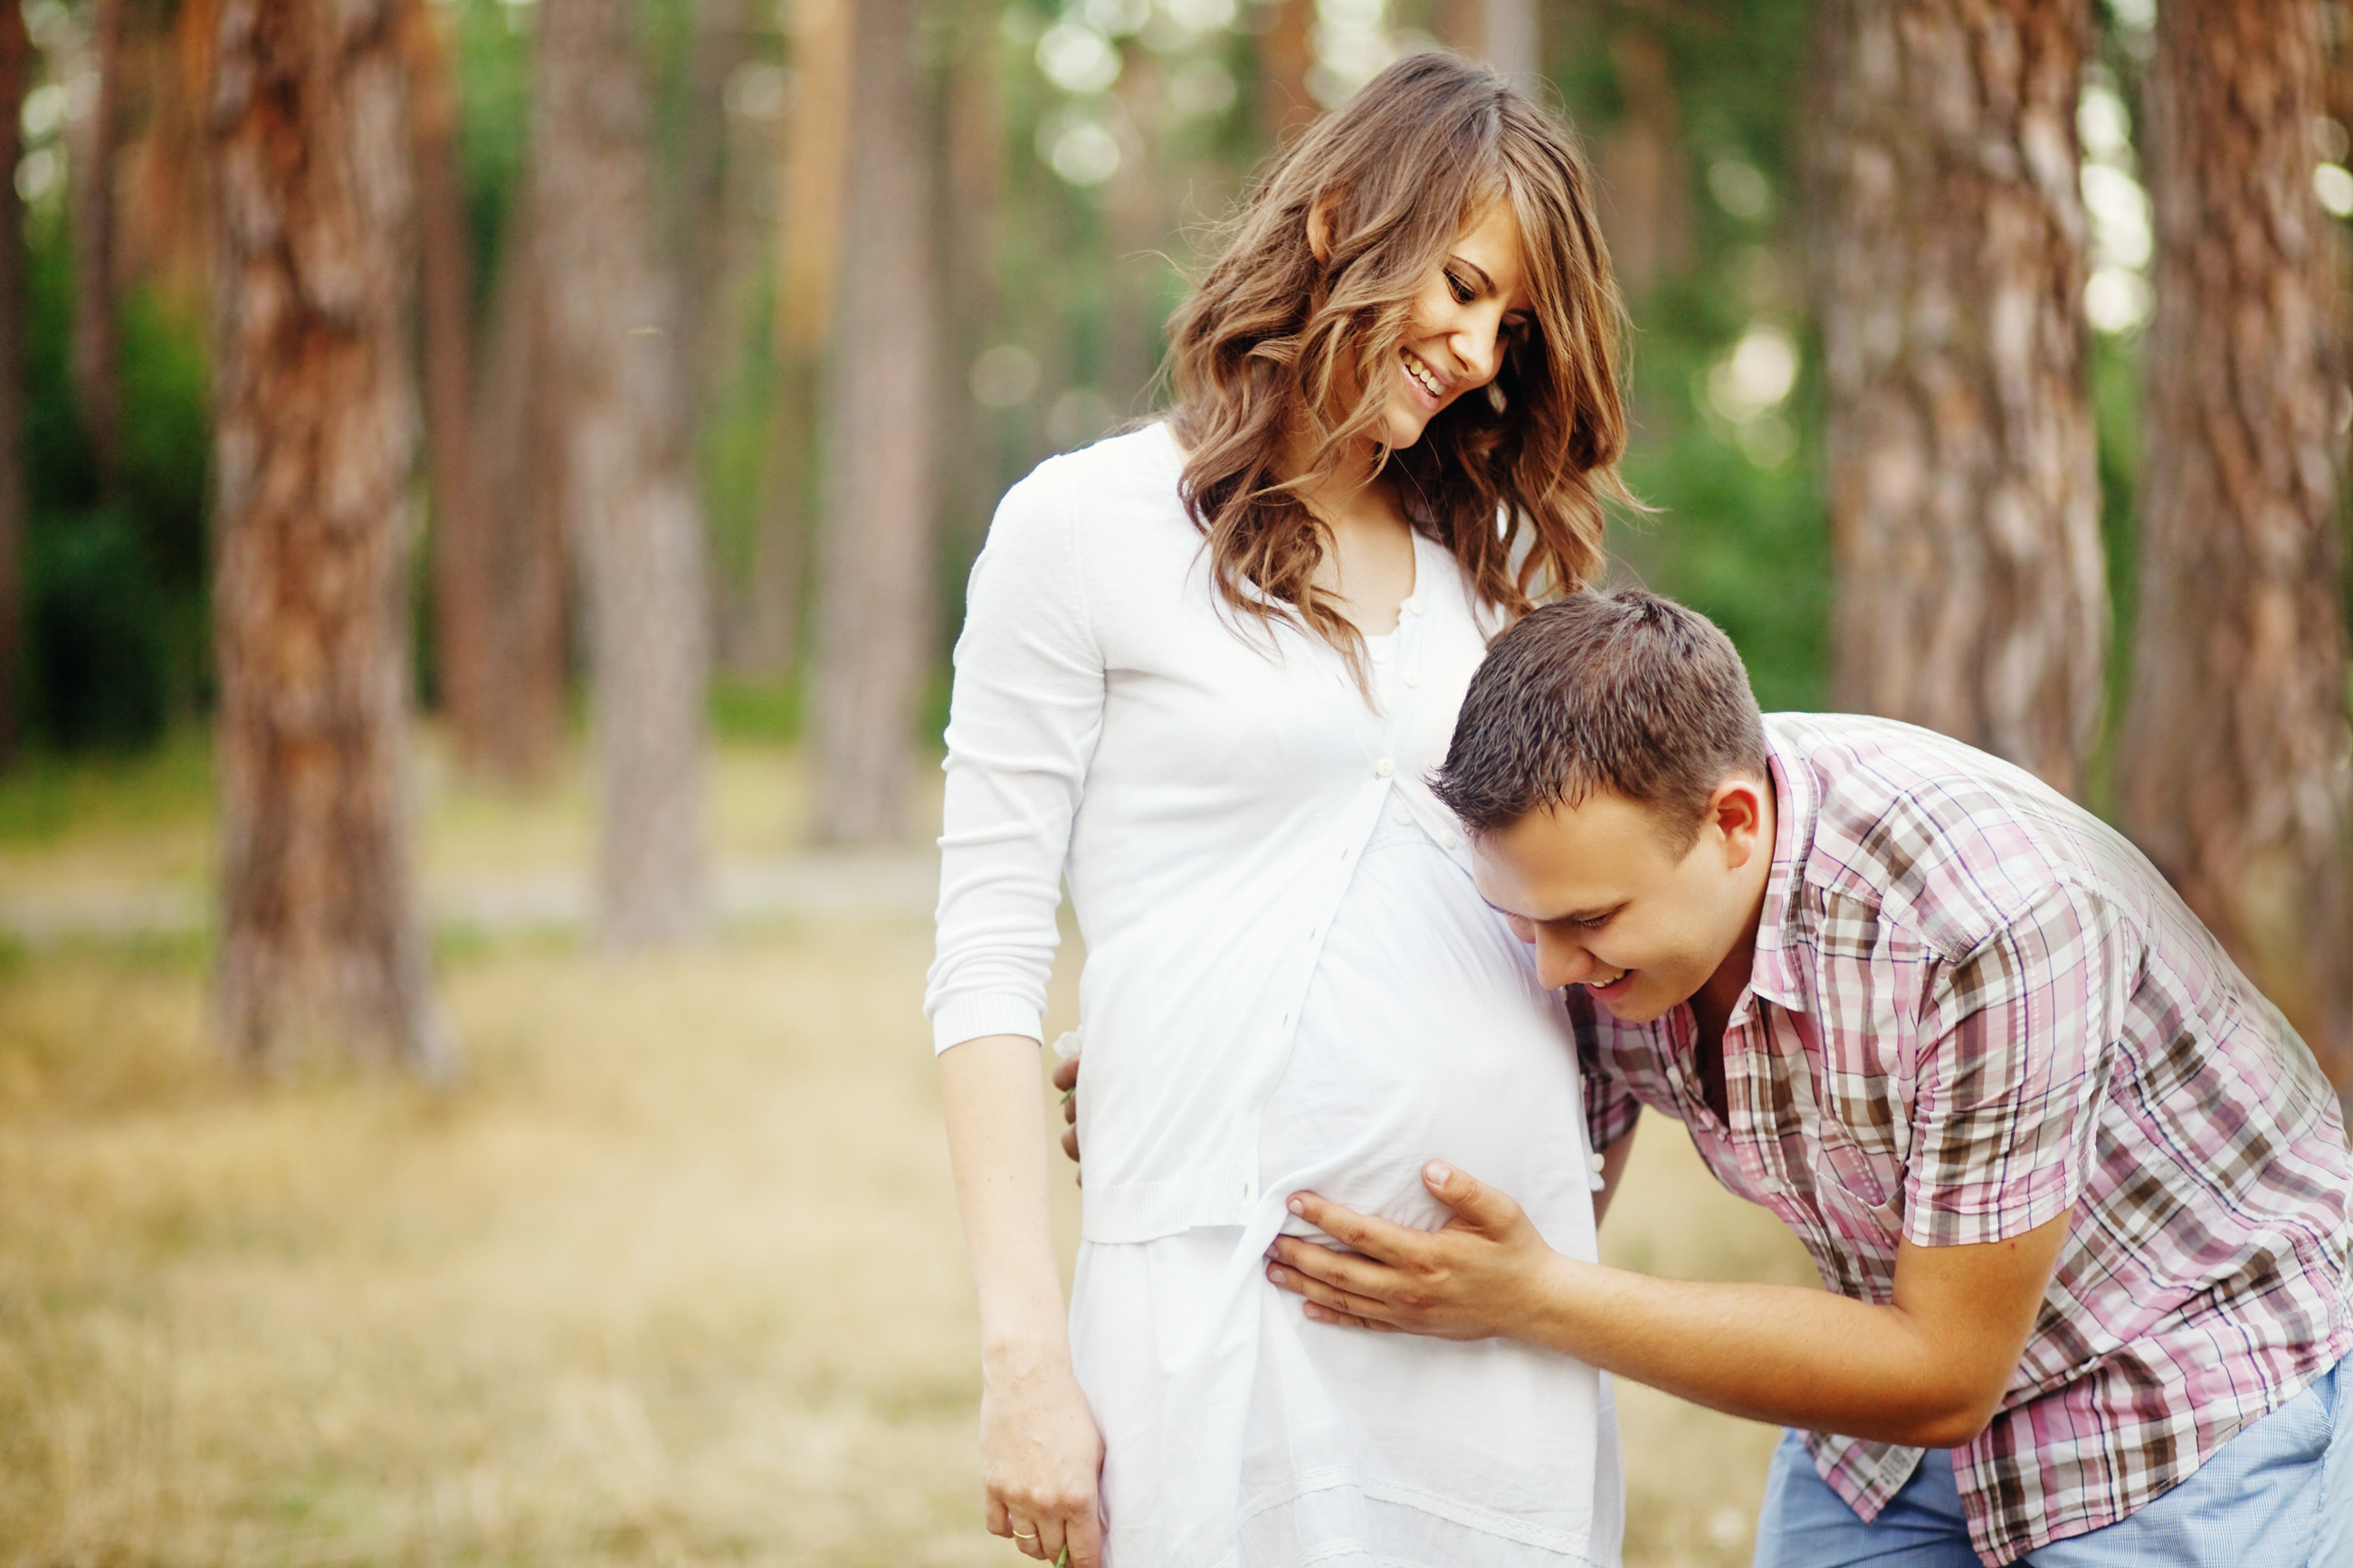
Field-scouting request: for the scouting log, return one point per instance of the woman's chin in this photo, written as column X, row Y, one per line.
column 1403, row 429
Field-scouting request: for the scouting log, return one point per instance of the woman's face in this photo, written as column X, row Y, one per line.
column 1468, row 312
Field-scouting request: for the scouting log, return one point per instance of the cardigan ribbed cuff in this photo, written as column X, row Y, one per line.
column 969, row 1017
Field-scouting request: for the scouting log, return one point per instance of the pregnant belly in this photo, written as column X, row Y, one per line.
column 1424, row 1037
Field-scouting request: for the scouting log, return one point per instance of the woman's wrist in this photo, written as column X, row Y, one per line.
column 1017, row 1351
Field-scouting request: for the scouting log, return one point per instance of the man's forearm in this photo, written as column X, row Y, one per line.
column 1770, row 1352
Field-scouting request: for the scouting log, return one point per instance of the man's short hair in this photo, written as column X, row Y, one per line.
column 1626, row 692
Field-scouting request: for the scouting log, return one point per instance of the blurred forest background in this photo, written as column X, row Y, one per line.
column 486, row 487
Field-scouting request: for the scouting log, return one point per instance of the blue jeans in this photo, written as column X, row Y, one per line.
column 2278, row 1495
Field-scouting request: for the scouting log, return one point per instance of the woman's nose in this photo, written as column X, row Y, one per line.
column 1476, row 343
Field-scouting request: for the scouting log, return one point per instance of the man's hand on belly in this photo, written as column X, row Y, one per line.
column 1927, row 1369
column 1483, row 1274
column 1066, row 1079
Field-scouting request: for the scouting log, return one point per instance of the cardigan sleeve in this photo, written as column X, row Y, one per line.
column 1023, row 718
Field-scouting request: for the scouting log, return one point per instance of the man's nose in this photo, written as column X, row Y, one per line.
column 1561, row 961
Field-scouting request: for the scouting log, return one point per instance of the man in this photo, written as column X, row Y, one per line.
column 2080, row 1196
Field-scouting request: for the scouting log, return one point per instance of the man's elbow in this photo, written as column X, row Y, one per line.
column 1951, row 1420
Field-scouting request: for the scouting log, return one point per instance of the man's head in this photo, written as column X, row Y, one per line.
column 1610, row 763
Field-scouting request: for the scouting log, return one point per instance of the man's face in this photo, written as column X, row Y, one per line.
column 1611, row 903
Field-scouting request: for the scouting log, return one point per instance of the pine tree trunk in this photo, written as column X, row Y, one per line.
column 2234, row 774
column 1286, row 55
column 314, row 445
column 16, row 66
column 811, row 165
column 613, row 315
column 90, row 167
column 1645, row 167
column 466, row 602
column 517, row 444
column 874, row 560
column 1963, row 494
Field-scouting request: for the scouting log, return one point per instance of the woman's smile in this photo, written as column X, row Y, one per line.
column 1424, row 379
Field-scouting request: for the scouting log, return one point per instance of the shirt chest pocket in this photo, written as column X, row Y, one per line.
column 1858, row 1184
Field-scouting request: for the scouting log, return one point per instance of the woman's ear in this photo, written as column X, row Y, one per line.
column 1319, row 227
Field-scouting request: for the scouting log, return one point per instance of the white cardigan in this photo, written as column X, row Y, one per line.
column 1207, row 789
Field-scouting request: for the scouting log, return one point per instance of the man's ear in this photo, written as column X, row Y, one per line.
column 1738, row 810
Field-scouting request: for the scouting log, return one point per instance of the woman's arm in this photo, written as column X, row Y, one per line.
column 1023, row 720
column 1041, row 1453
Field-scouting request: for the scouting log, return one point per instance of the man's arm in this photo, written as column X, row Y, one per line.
column 1927, row 1372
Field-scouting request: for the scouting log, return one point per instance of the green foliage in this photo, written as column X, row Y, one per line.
column 50, row 796
column 744, row 710
column 118, row 636
column 1740, row 531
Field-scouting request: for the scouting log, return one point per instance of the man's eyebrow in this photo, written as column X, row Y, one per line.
column 1573, row 917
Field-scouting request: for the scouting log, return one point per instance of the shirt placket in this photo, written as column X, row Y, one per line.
column 1395, row 667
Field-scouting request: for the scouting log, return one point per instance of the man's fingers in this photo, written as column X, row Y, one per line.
column 1482, row 1205
column 1334, row 1305
column 1066, row 1074
column 1339, row 1283
column 1337, row 1269
column 1071, row 1143
column 1316, row 1314
column 1362, row 1233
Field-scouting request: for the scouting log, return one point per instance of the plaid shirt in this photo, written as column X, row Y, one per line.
column 1974, row 1008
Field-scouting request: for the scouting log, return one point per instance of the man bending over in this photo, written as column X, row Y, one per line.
column 2079, row 1194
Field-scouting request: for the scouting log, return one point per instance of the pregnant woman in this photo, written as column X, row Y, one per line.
column 1205, row 668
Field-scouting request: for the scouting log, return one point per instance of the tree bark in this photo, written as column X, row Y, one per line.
column 466, row 602
column 700, row 188
column 811, row 165
column 1963, row 497
column 613, row 317
column 1503, row 33
column 2235, row 757
column 1286, row 55
column 875, row 565
column 16, row 66
column 519, row 450
column 1646, row 211
column 90, row 170
column 314, row 445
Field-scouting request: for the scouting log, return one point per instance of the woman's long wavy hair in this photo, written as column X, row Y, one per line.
column 1276, row 352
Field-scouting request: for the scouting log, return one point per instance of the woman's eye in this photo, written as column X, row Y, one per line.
column 1462, row 292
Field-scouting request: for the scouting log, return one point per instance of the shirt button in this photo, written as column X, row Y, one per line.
column 1598, row 1163
column 1412, row 607
column 1412, row 678
column 1384, row 768
column 1399, row 815
column 1447, row 840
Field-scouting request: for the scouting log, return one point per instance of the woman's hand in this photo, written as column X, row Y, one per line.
column 1040, row 1455
column 1040, row 1459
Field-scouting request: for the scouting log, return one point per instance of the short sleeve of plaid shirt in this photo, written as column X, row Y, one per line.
column 2013, row 1056
column 1611, row 1108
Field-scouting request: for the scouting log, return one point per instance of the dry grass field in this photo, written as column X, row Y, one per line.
column 672, row 1278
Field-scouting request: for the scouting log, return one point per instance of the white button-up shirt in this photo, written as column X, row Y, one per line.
column 1207, row 786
